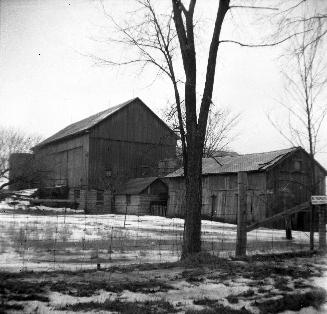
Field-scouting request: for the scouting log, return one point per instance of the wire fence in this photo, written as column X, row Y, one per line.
column 47, row 240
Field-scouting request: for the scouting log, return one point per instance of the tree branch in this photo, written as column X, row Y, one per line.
column 251, row 7
column 262, row 45
column 211, row 68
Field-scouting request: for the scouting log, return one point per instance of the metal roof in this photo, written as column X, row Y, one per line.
column 247, row 162
column 137, row 185
column 87, row 123
column 84, row 124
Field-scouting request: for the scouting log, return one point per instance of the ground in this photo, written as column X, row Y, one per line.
column 42, row 238
column 205, row 284
column 61, row 261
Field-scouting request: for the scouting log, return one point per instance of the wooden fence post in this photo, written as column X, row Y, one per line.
column 242, row 182
column 312, row 227
column 322, row 227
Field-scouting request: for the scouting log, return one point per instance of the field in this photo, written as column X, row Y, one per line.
column 62, row 261
column 43, row 239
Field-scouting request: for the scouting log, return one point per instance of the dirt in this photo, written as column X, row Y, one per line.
column 203, row 284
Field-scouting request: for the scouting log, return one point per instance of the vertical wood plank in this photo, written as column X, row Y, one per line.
column 241, row 240
column 322, row 227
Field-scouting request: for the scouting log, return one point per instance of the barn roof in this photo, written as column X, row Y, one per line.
column 246, row 162
column 137, row 185
column 87, row 123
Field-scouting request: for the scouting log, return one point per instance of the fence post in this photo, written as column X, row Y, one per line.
column 242, row 182
column 312, row 227
column 322, row 227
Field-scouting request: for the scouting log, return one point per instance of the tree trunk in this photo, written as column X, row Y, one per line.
column 193, row 185
column 313, row 192
column 195, row 126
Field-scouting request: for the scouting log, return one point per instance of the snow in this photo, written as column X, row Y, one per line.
column 183, row 293
column 44, row 238
column 308, row 310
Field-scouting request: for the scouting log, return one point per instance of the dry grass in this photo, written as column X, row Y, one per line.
column 158, row 280
column 148, row 307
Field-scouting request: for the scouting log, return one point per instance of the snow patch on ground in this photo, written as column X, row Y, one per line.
column 43, row 238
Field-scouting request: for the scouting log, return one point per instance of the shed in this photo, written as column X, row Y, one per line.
column 142, row 196
column 277, row 180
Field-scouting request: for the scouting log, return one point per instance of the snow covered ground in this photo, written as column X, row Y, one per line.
column 284, row 286
column 43, row 238
column 51, row 242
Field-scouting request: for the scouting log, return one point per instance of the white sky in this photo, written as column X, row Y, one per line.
column 46, row 84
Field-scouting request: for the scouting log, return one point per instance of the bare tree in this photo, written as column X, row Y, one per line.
column 296, row 15
column 161, row 40
column 220, row 129
column 13, row 141
column 304, row 99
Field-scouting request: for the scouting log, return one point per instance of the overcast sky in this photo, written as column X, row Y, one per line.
column 47, row 82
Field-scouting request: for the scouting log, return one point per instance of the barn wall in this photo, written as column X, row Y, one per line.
column 87, row 200
column 65, row 162
column 220, row 197
column 288, row 184
column 176, row 197
column 134, row 204
column 130, row 144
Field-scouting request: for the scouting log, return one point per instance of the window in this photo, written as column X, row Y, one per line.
column 297, row 165
column 99, row 197
column 77, row 194
column 128, row 199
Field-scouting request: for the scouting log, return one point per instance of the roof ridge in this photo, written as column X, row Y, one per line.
column 245, row 162
column 69, row 129
column 267, row 152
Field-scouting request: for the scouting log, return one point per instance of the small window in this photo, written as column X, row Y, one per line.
column 77, row 194
column 297, row 165
column 99, row 197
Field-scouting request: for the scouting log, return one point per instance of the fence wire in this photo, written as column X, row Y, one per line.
column 32, row 239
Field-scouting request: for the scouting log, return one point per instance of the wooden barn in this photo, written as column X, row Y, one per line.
column 142, row 196
column 277, row 180
column 96, row 156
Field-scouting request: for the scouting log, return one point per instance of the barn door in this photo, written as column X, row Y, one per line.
column 74, row 167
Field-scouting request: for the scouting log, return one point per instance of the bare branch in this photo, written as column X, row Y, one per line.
column 262, row 45
column 252, row 7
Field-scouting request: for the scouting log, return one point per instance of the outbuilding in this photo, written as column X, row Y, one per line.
column 277, row 180
column 142, row 196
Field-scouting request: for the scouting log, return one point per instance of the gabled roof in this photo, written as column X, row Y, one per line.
column 137, row 185
column 87, row 123
column 247, row 162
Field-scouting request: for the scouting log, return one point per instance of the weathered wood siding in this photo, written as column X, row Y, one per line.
column 176, row 197
column 130, row 144
column 134, row 204
column 220, row 197
column 88, row 201
column 288, row 184
column 65, row 162
column 139, row 204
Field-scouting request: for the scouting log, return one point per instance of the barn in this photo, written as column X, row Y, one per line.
column 277, row 180
column 96, row 156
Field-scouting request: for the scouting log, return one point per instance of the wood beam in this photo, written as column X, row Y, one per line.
column 298, row 208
